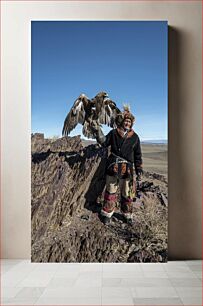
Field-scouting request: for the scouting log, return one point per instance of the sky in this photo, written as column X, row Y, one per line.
column 126, row 59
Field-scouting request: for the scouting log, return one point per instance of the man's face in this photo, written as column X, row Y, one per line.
column 127, row 124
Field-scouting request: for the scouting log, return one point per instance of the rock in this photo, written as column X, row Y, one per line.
column 85, row 217
column 164, row 199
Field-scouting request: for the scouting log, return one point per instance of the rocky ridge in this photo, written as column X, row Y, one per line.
column 68, row 180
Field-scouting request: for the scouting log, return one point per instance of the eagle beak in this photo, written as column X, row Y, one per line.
column 106, row 97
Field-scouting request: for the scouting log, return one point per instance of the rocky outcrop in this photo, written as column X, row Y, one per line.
column 68, row 180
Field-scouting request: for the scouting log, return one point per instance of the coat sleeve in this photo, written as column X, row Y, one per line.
column 137, row 155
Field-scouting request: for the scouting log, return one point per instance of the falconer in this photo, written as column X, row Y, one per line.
column 125, row 153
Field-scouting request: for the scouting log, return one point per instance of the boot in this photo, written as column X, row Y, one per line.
column 128, row 218
column 104, row 219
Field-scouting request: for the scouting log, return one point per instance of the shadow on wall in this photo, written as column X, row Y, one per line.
column 183, row 234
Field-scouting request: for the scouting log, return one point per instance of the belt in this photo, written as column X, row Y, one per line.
column 119, row 160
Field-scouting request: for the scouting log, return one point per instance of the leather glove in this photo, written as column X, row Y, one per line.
column 95, row 128
column 98, row 134
column 139, row 173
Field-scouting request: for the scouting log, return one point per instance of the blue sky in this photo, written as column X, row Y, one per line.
column 127, row 59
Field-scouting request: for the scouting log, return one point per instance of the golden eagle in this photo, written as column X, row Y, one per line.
column 91, row 113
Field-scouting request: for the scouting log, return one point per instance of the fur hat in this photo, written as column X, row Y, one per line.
column 126, row 114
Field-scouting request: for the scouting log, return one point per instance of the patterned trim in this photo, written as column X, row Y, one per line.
column 110, row 196
column 106, row 214
column 130, row 133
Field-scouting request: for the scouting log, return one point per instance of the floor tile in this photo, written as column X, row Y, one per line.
column 122, row 274
column 118, row 267
column 90, row 274
column 69, row 301
column 176, row 263
column 157, row 301
column 198, row 274
column 177, row 268
column 35, row 281
column 147, row 282
column 6, row 268
column 155, row 274
column 189, row 291
column 185, row 282
column 193, row 262
column 196, row 268
column 154, row 292
column 61, row 282
column 4, row 301
column 22, row 301
column 181, row 274
column 32, row 292
column 116, row 292
column 46, row 268
column 192, row 301
column 67, row 273
column 19, row 270
column 11, row 261
column 91, row 267
column 15, row 275
column 117, row 301
column 112, row 282
column 97, row 282
column 9, row 292
column 153, row 267
column 172, row 283
column 73, row 292
column 70, row 266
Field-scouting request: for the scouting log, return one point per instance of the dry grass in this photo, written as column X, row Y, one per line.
column 151, row 231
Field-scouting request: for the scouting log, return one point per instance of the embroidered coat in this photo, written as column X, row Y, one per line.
column 125, row 151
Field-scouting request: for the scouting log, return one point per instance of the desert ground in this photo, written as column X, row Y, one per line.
column 155, row 158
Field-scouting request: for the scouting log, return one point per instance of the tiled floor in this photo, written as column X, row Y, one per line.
column 172, row 283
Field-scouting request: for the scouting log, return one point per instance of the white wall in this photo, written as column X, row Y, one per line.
column 185, row 62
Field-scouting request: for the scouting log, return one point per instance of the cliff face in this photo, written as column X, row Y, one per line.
column 68, row 180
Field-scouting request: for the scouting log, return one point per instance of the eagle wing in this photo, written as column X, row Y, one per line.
column 76, row 115
column 108, row 113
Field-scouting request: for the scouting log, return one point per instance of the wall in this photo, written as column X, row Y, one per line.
column 185, row 64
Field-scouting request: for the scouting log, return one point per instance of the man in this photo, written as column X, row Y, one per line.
column 125, row 150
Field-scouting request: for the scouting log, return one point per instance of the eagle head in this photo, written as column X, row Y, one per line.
column 102, row 94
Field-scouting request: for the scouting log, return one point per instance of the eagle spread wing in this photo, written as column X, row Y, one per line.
column 90, row 113
column 76, row 114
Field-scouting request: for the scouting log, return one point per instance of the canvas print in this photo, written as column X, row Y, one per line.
column 99, row 141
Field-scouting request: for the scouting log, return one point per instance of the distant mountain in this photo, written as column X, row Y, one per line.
column 88, row 142
column 156, row 141
column 152, row 141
